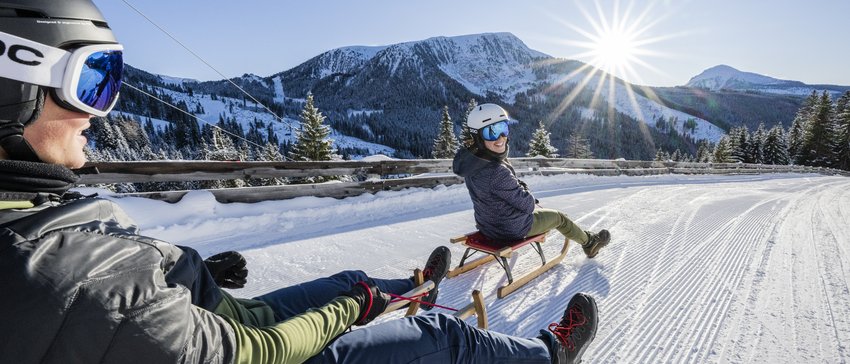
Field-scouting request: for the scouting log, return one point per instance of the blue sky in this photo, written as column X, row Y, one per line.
column 796, row 40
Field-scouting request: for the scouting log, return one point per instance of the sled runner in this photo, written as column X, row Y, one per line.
column 500, row 251
column 422, row 287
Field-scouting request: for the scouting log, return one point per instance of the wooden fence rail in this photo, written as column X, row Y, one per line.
column 374, row 176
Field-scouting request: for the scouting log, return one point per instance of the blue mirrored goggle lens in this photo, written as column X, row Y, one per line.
column 100, row 79
column 492, row 132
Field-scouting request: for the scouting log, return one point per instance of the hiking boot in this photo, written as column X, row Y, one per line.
column 568, row 339
column 435, row 270
column 595, row 242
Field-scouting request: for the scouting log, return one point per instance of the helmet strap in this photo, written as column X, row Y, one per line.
column 13, row 142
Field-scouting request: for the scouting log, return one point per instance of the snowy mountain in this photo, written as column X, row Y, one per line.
column 496, row 63
column 392, row 96
column 724, row 77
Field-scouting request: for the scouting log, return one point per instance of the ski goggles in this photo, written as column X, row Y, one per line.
column 86, row 79
column 493, row 132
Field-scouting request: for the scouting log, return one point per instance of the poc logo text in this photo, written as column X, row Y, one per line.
column 21, row 54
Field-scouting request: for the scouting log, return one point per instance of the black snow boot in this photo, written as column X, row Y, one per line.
column 595, row 242
column 568, row 339
column 435, row 270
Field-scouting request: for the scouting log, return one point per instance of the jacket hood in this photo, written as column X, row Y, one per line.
column 466, row 163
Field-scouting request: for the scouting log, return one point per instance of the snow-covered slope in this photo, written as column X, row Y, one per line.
column 626, row 99
column 285, row 129
column 701, row 269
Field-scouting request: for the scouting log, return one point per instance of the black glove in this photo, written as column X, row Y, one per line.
column 228, row 269
column 372, row 301
column 523, row 185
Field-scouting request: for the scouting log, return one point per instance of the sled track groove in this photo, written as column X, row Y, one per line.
column 832, row 284
column 712, row 251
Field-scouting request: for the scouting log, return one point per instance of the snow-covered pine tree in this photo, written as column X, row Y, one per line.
column 776, row 147
column 797, row 132
column 466, row 138
column 757, row 144
column 723, row 150
column 578, row 147
column 659, row 155
column 222, row 149
column 739, row 139
column 676, row 156
column 817, row 148
column 541, row 144
column 312, row 143
column 270, row 152
column 445, row 146
column 842, row 131
column 704, row 152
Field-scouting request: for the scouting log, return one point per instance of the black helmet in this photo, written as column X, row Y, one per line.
column 65, row 24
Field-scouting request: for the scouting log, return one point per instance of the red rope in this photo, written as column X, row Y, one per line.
column 413, row 299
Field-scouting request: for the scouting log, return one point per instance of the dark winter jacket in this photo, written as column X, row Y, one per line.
column 79, row 285
column 503, row 209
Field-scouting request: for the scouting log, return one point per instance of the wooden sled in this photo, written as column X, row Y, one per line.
column 500, row 251
column 476, row 307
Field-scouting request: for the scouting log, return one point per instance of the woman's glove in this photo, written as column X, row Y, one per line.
column 523, row 185
column 228, row 269
column 372, row 301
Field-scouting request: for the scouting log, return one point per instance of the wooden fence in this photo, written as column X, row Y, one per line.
column 382, row 175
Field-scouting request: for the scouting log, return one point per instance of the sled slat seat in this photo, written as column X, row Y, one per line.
column 500, row 250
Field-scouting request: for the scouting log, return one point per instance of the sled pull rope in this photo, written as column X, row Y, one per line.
column 414, row 299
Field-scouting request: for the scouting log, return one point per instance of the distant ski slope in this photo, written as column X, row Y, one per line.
column 743, row 269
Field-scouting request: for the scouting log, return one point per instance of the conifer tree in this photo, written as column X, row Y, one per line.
column 466, row 137
column 222, row 149
column 776, row 147
column 795, row 137
column 578, row 147
column 676, row 156
column 659, row 155
column 270, row 152
column 842, row 132
column 757, row 144
column 704, row 152
column 445, row 146
column 723, row 150
column 541, row 144
column 740, row 144
column 797, row 132
column 817, row 148
column 311, row 143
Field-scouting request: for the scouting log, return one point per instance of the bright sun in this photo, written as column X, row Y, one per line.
column 615, row 39
column 614, row 43
column 614, row 51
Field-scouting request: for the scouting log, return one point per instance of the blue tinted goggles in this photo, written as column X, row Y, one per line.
column 86, row 79
column 493, row 132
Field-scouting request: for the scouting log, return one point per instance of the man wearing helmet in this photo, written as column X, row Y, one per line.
column 504, row 207
column 80, row 285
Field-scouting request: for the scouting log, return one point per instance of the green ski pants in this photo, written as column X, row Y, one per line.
column 548, row 219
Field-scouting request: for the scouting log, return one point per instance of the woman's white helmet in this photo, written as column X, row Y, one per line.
column 486, row 114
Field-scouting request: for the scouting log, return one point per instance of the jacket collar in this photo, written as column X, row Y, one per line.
column 34, row 178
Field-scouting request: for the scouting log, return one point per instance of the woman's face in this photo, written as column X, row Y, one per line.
column 498, row 146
